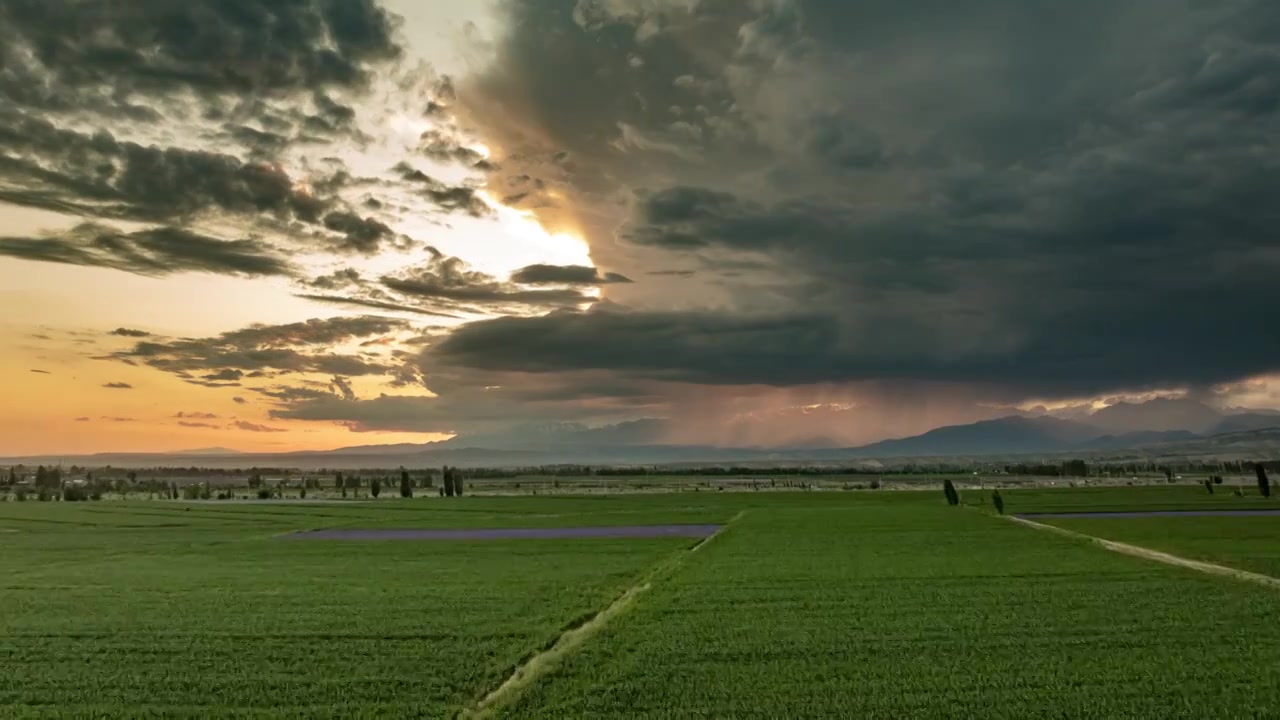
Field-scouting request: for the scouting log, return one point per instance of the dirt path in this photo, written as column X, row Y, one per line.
column 540, row 662
column 1149, row 554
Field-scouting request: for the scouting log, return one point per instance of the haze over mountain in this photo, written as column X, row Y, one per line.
column 638, row 443
column 1159, row 414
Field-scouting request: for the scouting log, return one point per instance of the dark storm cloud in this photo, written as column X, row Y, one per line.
column 296, row 347
column 565, row 275
column 98, row 175
column 669, row 346
column 118, row 386
column 130, row 333
column 154, row 252
column 975, row 192
column 463, row 412
column 57, row 53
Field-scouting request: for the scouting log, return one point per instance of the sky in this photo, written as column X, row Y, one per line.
column 279, row 225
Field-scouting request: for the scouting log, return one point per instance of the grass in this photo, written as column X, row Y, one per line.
column 1121, row 498
column 923, row 612
column 1246, row 543
column 817, row 604
column 109, row 612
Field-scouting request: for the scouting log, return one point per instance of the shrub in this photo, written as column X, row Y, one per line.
column 949, row 489
column 264, row 493
column 375, row 487
column 1264, row 484
column 875, row 484
column 1208, row 485
column 302, row 493
column 997, row 501
column 42, row 495
column 75, row 493
column 20, row 494
column 406, row 485
column 1217, row 479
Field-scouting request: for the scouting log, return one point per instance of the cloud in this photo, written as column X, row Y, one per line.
column 862, row 207
column 154, row 252
column 62, row 53
column 474, row 403
column 372, row 303
column 118, row 386
column 256, row 351
column 359, row 234
column 128, row 332
column 194, row 424
column 119, row 419
column 224, row 375
column 445, row 286
column 98, row 175
column 451, row 198
column 82, row 419
column 197, row 415
column 343, row 388
column 565, row 274
column 220, row 121
column 449, row 283
column 239, row 400
column 254, row 427
column 41, row 372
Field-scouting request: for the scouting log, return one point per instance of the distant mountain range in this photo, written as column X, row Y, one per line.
column 1158, row 427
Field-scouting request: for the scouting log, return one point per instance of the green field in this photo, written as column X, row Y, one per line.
column 1121, row 498
column 817, row 604
column 1247, row 543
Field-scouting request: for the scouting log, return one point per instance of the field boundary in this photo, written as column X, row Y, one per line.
column 1156, row 555
column 541, row 661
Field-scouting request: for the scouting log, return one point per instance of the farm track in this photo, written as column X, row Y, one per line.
column 1156, row 555
column 576, row 634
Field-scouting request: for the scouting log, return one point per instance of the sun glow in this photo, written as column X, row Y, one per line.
column 535, row 244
